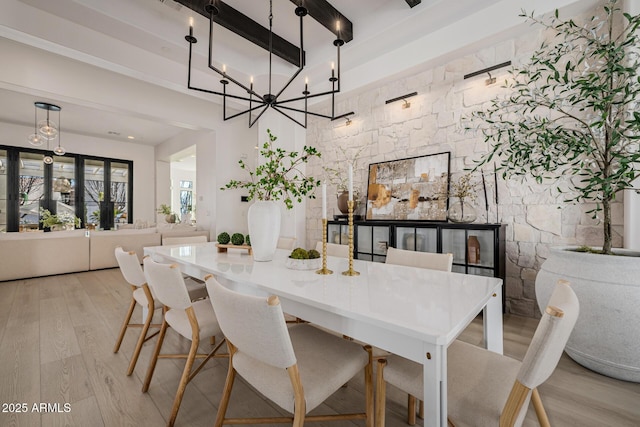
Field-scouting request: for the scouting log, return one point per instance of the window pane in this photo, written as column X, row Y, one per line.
column 30, row 189
column 120, row 191
column 3, row 190
column 64, row 185
column 93, row 190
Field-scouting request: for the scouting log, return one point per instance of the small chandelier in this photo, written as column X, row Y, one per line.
column 46, row 130
column 259, row 103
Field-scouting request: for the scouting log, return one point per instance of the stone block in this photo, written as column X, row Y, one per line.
column 523, row 307
column 529, row 289
column 513, row 289
column 545, row 218
column 529, row 274
column 524, row 233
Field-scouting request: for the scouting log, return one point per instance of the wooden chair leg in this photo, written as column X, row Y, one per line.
column 154, row 356
column 125, row 324
column 411, row 410
column 184, row 380
column 299, row 407
column 381, row 394
column 141, row 339
column 540, row 412
column 421, row 410
column 226, row 393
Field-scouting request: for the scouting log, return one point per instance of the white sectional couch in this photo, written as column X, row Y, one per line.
column 34, row 254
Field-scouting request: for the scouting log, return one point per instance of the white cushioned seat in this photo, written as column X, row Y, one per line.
column 206, row 319
column 323, row 359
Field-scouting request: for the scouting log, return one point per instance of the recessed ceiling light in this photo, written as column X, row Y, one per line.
column 131, row 137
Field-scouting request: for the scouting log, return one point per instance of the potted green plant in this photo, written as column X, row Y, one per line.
column 278, row 177
column 170, row 216
column 572, row 113
column 62, row 221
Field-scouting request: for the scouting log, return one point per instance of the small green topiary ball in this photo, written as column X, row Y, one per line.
column 237, row 239
column 299, row 253
column 223, row 238
column 247, row 240
column 313, row 254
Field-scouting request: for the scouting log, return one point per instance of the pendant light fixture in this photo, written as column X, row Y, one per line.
column 249, row 96
column 46, row 130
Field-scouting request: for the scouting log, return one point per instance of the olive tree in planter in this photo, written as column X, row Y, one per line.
column 278, row 177
column 572, row 112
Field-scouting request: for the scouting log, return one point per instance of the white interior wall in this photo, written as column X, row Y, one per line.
column 141, row 155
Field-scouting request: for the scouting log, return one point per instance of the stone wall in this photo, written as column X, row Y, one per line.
column 535, row 216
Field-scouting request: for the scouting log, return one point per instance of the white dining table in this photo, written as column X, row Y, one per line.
column 412, row 312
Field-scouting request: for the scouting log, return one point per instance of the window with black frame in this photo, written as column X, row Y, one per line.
column 96, row 190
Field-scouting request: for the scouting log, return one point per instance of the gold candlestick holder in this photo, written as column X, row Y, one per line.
column 350, row 271
column 324, row 269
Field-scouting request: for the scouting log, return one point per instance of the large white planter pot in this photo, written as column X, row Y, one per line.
column 606, row 338
column 264, row 229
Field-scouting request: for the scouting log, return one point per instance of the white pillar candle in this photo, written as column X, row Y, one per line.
column 350, row 182
column 324, row 200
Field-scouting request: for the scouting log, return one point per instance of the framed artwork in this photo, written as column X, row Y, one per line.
column 409, row 189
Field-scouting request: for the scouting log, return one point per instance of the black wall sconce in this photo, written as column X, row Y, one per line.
column 403, row 98
column 491, row 80
column 344, row 116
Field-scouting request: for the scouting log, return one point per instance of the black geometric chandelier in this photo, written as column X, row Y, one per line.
column 255, row 104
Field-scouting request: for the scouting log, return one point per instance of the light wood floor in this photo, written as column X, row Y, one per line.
column 56, row 339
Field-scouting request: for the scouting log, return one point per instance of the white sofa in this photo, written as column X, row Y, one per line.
column 34, row 254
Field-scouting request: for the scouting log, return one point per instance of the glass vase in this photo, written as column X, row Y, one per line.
column 461, row 211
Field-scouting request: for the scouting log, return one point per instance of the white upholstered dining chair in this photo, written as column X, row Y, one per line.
column 334, row 249
column 141, row 294
column 430, row 260
column 195, row 286
column 287, row 243
column 192, row 320
column 296, row 368
column 487, row 388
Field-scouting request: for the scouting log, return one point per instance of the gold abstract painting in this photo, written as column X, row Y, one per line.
column 409, row 189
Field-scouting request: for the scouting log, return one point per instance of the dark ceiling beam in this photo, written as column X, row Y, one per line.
column 242, row 25
column 413, row 3
column 327, row 15
column 246, row 27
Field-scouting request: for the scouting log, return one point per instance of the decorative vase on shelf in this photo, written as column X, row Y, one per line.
column 461, row 211
column 343, row 198
column 264, row 228
column 473, row 249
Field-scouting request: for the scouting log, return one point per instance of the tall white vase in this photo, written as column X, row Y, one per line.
column 264, row 229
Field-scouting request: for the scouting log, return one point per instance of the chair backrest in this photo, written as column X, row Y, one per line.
column 286, row 243
column 430, row 260
column 545, row 350
column 334, row 249
column 254, row 325
column 130, row 267
column 183, row 240
column 550, row 337
column 167, row 283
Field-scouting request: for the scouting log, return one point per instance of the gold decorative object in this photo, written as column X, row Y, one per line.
column 324, row 269
column 350, row 271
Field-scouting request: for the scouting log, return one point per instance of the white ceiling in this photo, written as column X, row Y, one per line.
column 144, row 40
